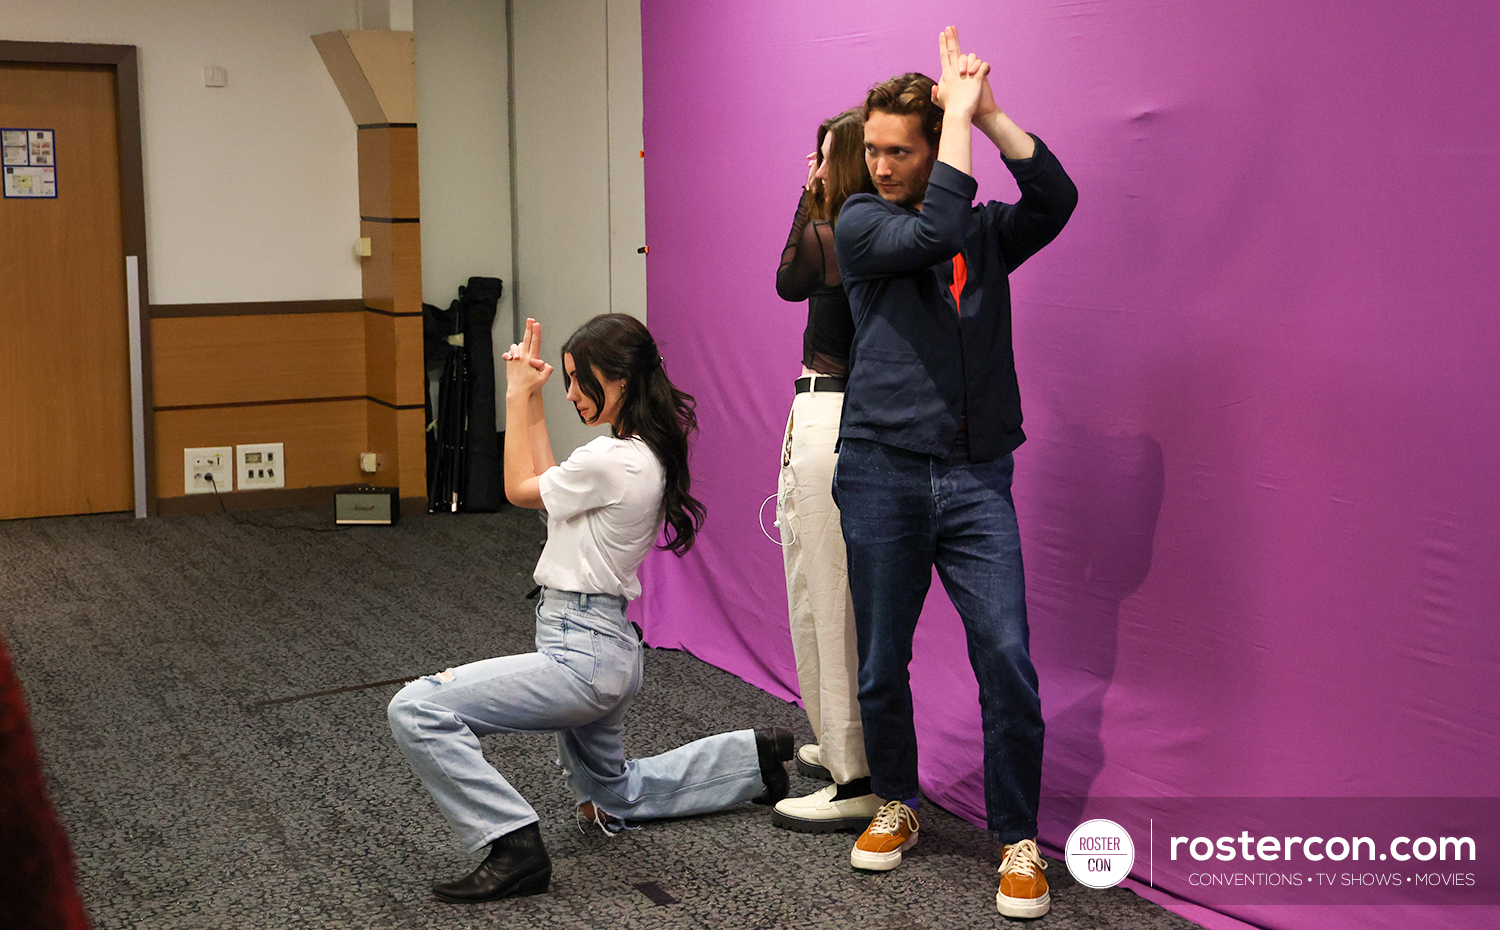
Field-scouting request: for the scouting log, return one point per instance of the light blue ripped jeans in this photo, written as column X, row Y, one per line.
column 580, row 681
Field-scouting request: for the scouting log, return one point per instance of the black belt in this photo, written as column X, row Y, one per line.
column 822, row 383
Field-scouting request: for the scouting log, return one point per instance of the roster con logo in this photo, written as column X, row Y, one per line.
column 1301, row 851
column 1099, row 854
column 1316, row 849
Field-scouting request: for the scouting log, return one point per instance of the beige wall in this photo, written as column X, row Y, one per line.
column 251, row 189
column 464, row 154
column 579, row 179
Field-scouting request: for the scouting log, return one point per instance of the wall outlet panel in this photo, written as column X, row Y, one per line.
column 260, row 465
column 208, row 470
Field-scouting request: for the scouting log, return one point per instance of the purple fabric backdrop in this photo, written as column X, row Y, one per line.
column 1259, row 520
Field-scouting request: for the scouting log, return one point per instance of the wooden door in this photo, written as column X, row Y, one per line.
column 65, row 431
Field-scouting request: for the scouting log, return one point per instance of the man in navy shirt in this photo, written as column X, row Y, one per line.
column 931, row 415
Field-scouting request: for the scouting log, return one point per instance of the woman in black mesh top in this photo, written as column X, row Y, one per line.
column 822, row 615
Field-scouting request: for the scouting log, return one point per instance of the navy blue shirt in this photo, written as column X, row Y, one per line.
column 922, row 361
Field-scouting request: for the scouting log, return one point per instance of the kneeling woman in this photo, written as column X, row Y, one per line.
column 605, row 506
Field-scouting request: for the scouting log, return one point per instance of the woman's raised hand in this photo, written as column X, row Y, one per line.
column 964, row 77
column 524, row 369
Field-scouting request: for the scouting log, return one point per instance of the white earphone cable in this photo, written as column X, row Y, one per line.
column 777, row 522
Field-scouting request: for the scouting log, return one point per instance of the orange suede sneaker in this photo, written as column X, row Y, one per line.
column 1023, row 889
column 879, row 848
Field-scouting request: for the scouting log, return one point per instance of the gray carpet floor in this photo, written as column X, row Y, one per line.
column 209, row 698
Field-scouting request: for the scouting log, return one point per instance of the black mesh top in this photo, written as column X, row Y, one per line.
column 809, row 271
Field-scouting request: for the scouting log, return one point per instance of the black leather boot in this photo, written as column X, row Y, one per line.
column 517, row 865
column 774, row 747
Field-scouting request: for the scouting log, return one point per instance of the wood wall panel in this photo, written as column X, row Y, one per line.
column 388, row 62
column 411, row 433
column 322, row 440
column 259, row 308
column 392, row 279
column 393, row 354
column 213, row 360
column 388, row 172
column 376, row 72
column 398, row 437
column 380, row 426
column 380, row 358
column 411, row 365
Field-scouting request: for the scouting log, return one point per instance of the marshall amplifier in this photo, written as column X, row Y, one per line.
column 365, row 505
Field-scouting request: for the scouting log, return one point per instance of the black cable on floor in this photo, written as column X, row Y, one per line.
column 244, row 521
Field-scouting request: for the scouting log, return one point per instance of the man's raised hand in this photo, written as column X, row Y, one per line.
column 964, row 81
column 987, row 106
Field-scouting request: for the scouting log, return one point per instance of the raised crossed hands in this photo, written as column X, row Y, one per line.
column 525, row 372
column 964, row 87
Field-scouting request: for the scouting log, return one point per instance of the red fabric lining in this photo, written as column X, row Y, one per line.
column 960, row 277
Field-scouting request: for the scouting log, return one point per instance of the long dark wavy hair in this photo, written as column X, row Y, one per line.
column 652, row 409
column 847, row 173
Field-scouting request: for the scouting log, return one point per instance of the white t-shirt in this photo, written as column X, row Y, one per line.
column 603, row 515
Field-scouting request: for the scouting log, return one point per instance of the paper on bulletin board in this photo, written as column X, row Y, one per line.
column 17, row 150
column 30, row 182
column 39, row 142
column 29, row 162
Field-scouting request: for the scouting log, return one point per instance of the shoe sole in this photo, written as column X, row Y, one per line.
column 880, row 862
column 1024, row 908
column 535, row 883
column 810, row 825
column 812, row 771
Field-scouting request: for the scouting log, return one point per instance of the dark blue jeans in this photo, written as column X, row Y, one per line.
column 903, row 513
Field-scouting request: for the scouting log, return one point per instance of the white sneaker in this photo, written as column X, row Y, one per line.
column 820, row 813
